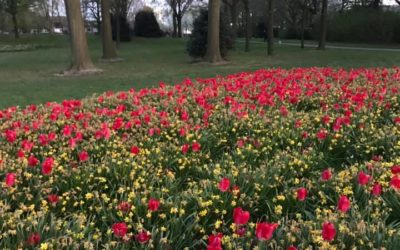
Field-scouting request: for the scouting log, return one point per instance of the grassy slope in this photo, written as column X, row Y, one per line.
column 28, row 77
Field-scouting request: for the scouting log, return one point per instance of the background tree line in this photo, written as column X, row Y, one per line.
column 335, row 20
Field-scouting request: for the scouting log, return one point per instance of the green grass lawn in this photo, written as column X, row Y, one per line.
column 28, row 77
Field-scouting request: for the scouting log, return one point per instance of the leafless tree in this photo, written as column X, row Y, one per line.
column 233, row 13
column 270, row 29
column 179, row 9
column 120, row 9
column 323, row 26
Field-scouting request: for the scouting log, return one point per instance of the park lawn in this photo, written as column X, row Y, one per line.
column 29, row 77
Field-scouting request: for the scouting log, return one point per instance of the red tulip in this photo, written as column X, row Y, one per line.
column 27, row 145
column 83, row 156
column 10, row 179
column 124, row 206
column 224, row 184
column 395, row 182
column 322, row 134
column 343, row 204
column 143, row 237
column 240, row 230
column 135, row 150
column 240, row 216
column 47, row 166
column 215, row 241
column 21, row 154
column 326, row 175
column 376, row 189
column 292, row 248
column 363, row 178
column 328, row 231
column 264, row 230
column 302, row 194
column 396, row 169
column 185, row 148
column 32, row 161
column 120, row 229
column 196, row 147
column 153, row 204
column 284, row 111
column 53, row 199
column 33, row 239
column 11, row 136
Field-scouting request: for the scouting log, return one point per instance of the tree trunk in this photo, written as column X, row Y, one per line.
column 302, row 27
column 118, row 29
column 175, row 34
column 81, row 61
column 248, row 26
column 213, row 54
column 109, row 51
column 179, row 22
column 270, row 50
column 98, row 17
column 324, row 25
column 15, row 24
column 234, row 18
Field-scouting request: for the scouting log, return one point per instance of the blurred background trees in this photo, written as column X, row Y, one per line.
column 350, row 21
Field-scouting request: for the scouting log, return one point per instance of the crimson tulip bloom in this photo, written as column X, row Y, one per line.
column 143, row 237
column 396, row 169
column 135, row 150
column 153, row 204
column 395, row 182
column 53, row 199
column 10, row 179
column 328, row 231
column 215, row 241
column 83, row 156
column 363, row 178
column 224, row 184
column 240, row 230
column 33, row 239
column 120, row 229
column 240, row 216
column 326, row 175
column 124, row 206
column 196, row 147
column 322, row 134
column 343, row 204
column 32, row 161
column 47, row 166
column 376, row 189
column 264, row 230
column 185, row 148
column 302, row 194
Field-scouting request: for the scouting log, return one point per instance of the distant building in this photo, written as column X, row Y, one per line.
column 60, row 24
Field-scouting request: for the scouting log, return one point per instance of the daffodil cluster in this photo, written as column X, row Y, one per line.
column 304, row 158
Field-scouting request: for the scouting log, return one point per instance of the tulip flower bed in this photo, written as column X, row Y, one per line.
column 275, row 159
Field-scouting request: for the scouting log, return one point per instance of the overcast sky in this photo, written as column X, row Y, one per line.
column 389, row 1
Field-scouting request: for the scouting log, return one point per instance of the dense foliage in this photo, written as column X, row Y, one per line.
column 275, row 159
column 146, row 24
column 365, row 25
column 124, row 29
column 197, row 44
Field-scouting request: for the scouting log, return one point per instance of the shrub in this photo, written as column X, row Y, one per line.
column 197, row 44
column 146, row 24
